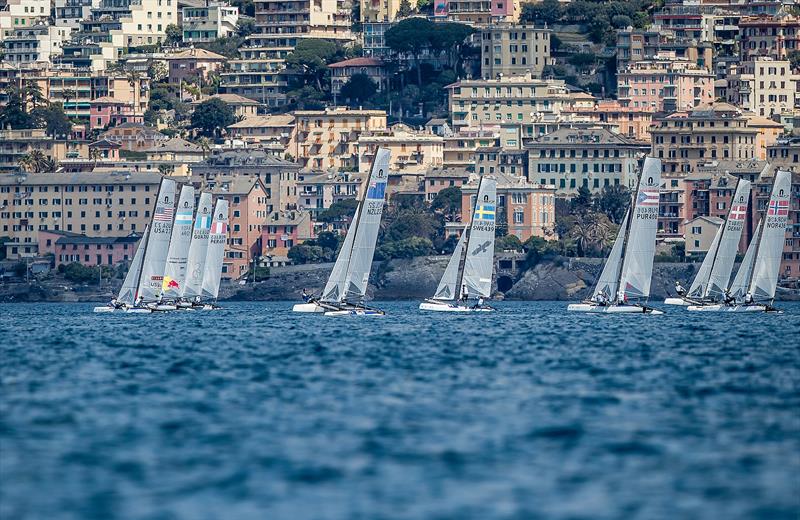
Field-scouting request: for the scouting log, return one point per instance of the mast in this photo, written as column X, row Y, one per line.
column 146, row 239
column 462, row 262
column 629, row 221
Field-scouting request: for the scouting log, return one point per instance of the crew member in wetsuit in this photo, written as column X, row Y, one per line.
column 729, row 298
column 306, row 296
column 117, row 304
column 679, row 289
column 479, row 304
column 748, row 300
column 464, row 293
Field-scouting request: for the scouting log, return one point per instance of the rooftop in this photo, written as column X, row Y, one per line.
column 357, row 62
column 86, row 178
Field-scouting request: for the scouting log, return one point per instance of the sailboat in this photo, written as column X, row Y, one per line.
column 469, row 272
column 710, row 285
column 175, row 270
column 347, row 285
column 126, row 298
column 215, row 255
column 196, row 259
column 761, row 280
column 626, row 277
column 155, row 254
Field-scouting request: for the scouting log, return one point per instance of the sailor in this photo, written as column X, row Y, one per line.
column 306, row 296
column 464, row 293
column 679, row 289
column 139, row 301
column 117, row 304
column 729, row 298
column 748, row 300
column 479, row 304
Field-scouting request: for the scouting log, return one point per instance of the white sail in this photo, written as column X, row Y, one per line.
column 607, row 283
column 215, row 256
column 741, row 282
column 773, row 237
column 729, row 243
column 127, row 293
column 155, row 255
column 637, row 268
column 479, row 263
column 700, row 282
column 196, row 260
column 334, row 289
column 175, row 271
column 448, row 285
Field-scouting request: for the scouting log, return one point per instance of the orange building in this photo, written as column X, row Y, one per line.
column 282, row 231
column 526, row 209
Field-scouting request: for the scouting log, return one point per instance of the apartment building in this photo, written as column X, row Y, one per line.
column 526, row 209
column 521, row 101
column 412, row 151
column 664, row 83
column 94, row 204
column 381, row 10
column 242, row 107
column 772, row 36
column 514, row 50
column 135, row 137
column 107, row 111
column 274, row 133
column 258, row 74
column 316, row 190
column 38, row 43
column 90, row 251
column 279, row 177
column 710, row 132
column 493, row 159
column 15, row 144
column 700, row 233
column 593, row 158
column 643, row 44
column 460, row 147
column 17, row 14
column 342, row 71
column 764, row 86
column 194, row 64
column 328, row 138
column 438, row 179
column 282, row 231
column 633, row 123
column 478, row 12
column 69, row 13
column 208, row 22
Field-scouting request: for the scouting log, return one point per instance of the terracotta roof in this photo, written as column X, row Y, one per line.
column 196, row 53
column 176, row 144
column 231, row 99
column 107, row 100
column 357, row 62
column 275, row 121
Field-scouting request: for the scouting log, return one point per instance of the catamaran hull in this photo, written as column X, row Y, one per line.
column 728, row 308
column 307, row 308
column 450, row 307
column 676, row 301
column 138, row 310
column 612, row 309
column 355, row 312
column 104, row 308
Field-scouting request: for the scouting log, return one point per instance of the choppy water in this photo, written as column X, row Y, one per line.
column 253, row 412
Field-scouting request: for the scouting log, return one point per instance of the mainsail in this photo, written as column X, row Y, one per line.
column 773, row 236
column 700, row 282
column 609, row 278
column 155, row 255
column 741, row 282
column 729, row 243
column 637, row 267
column 127, row 293
column 175, row 272
column 448, row 285
column 479, row 263
column 196, row 260
column 215, row 255
column 351, row 272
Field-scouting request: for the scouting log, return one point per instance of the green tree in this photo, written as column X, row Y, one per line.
column 212, row 116
column 33, row 93
column 448, row 203
column 548, row 11
column 246, row 7
column 411, row 223
column 338, row 211
column 245, row 27
column 78, row 273
column 15, row 113
column 305, row 254
column 405, row 9
column 794, row 59
column 508, row 242
column 312, row 56
column 173, row 35
column 358, row 89
column 227, row 46
column 582, row 201
column 57, row 124
column 406, row 248
column 157, row 71
column 411, row 36
column 613, row 201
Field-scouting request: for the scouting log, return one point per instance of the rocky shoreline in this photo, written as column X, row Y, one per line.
column 401, row 279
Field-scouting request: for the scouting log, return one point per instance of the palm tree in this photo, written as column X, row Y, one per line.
column 49, row 165
column 38, row 160
column 94, row 155
column 205, row 144
column 68, row 94
column 25, row 163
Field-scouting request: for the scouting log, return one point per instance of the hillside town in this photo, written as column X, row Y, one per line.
column 279, row 106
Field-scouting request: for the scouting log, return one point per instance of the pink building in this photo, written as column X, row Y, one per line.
column 664, row 84
column 67, row 248
column 282, row 231
column 106, row 111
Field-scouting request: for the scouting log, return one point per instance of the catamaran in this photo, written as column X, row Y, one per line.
column 155, row 254
column 759, row 270
column 347, row 285
column 125, row 300
column 196, row 259
column 175, row 270
column 469, row 272
column 215, row 255
column 625, row 279
column 710, row 285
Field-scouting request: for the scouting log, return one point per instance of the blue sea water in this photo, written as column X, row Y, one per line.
column 529, row 412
